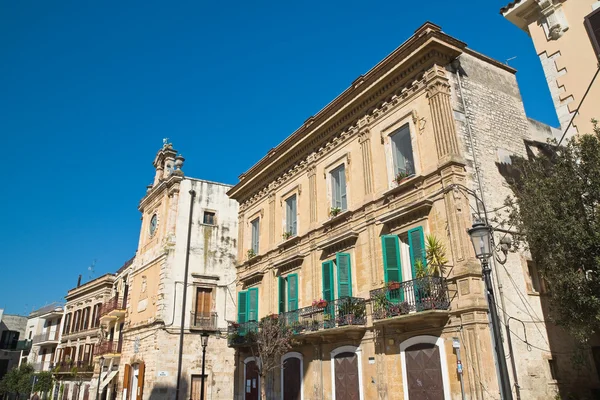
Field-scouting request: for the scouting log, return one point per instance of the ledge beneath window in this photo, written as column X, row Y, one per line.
column 289, row 242
column 254, row 276
column 293, row 259
column 342, row 215
column 421, row 206
column 346, row 236
column 250, row 261
column 412, row 180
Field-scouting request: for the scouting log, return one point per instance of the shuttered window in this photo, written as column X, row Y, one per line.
column 291, row 220
column 592, row 24
column 344, row 275
column 392, row 265
column 255, row 234
column 282, row 295
column 292, row 285
column 327, row 267
column 253, row 304
column 242, row 307
column 338, row 188
column 402, row 151
column 416, row 243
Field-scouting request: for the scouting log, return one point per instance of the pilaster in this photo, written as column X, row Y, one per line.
column 312, row 194
column 271, row 218
column 364, row 138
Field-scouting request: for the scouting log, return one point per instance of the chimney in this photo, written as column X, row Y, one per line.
column 79, row 281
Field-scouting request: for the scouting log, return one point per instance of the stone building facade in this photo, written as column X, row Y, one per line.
column 184, row 271
column 43, row 329
column 80, row 335
column 560, row 31
column 333, row 224
column 13, row 342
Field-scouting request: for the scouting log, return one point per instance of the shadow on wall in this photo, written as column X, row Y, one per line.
column 167, row 392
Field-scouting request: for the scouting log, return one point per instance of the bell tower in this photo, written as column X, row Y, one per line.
column 167, row 163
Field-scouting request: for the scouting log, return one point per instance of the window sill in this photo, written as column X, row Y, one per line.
column 209, row 225
column 290, row 241
column 339, row 217
column 402, row 185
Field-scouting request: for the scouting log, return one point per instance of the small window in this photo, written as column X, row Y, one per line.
column 534, row 277
column 291, row 221
column 553, row 369
column 255, row 234
column 338, row 188
column 209, row 218
column 402, row 152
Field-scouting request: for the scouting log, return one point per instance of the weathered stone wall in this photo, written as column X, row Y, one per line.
column 495, row 113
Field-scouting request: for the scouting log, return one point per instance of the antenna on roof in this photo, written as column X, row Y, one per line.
column 91, row 270
column 509, row 59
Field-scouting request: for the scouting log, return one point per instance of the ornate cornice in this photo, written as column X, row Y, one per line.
column 158, row 191
column 394, row 78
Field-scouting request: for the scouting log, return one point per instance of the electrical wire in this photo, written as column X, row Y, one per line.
column 579, row 106
column 476, row 375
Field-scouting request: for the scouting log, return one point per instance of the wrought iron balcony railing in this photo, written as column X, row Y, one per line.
column 204, row 321
column 399, row 298
column 114, row 303
column 347, row 311
column 108, row 348
column 72, row 367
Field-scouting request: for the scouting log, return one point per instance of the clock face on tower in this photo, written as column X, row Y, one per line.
column 153, row 224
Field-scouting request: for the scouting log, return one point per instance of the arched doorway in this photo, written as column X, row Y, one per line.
column 251, row 379
column 292, row 376
column 346, row 373
column 424, row 371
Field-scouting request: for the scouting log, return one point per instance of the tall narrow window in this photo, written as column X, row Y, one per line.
column 203, row 307
column 338, row 188
column 288, row 293
column 592, row 24
column 402, row 152
column 291, row 211
column 255, row 234
column 534, row 277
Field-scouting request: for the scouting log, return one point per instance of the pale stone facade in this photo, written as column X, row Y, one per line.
column 80, row 335
column 415, row 87
column 568, row 59
column 157, row 280
column 43, row 329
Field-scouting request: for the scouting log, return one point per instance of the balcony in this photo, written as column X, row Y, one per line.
column 204, row 321
column 347, row 316
column 113, row 308
column 105, row 348
column 422, row 302
column 48, row 337
column 73, row 368
column 18, row 345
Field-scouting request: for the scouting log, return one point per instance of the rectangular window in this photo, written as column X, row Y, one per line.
column 592, row 24
column 209, row 218
column 344, row 275
column 203, row 307
column 338, row 188
column 288, row 293
column 248, row 305
column 255, row 234
column 402, row 152
column 553, row 369
column 328, row 293
column 534, row 277
column 291, row 216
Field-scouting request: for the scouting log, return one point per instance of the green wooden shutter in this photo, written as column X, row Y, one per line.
column 242, row 307
column 416, row 242
column 328, row 280
column 344, row 274
column 292, row 281
column 253, row 304
column 391, row 258
column 281, row 295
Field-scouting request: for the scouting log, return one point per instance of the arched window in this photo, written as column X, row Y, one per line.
column 346, row 373
column 424, row 368
column 292, row 376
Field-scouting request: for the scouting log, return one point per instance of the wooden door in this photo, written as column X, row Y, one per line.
column 86, row 392
column 252, row 384
column 424, row 372
column 292, row 379
column 196, row 387
column 203, row 306
column 346, row 377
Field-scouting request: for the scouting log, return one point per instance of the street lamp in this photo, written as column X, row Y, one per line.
column 204, row 344
column 480, row 235
column 101, row 359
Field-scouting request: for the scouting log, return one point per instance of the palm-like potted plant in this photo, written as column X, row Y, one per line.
column 251, row 253
column 334, row 211
column 435, row 255
column 287, row 235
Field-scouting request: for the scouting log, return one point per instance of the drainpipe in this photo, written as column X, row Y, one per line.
column 183, row 303
column 456, row 66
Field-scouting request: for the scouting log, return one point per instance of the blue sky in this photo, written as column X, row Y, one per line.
column 89, row 89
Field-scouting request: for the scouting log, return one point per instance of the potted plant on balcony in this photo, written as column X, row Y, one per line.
column 319, row 303
column 314, row 325
column 351, row 312
column 251, row 253
column 426, row 288
column 287, row 235
column 401, row 177
column 393, row 285
column 334, row 211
